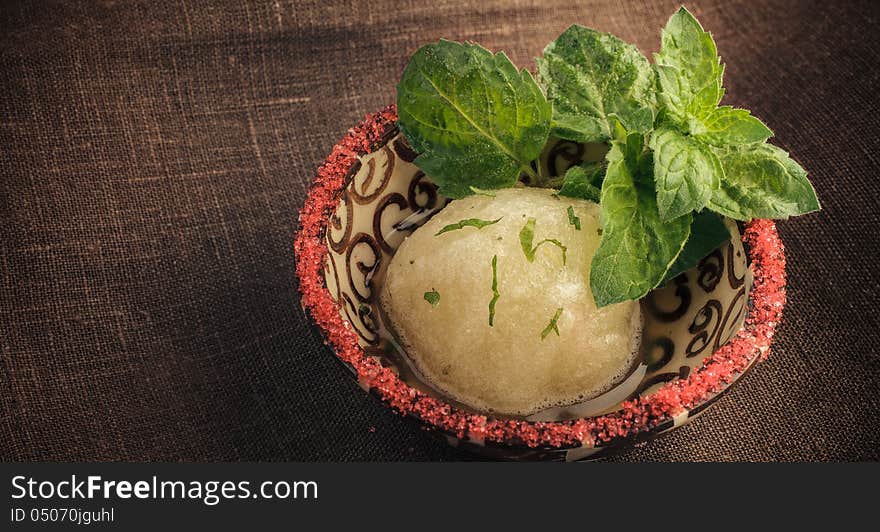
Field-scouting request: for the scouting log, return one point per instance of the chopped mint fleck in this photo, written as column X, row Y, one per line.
column 495, row 293
column 433, row 297
column 527, row 236
column 552, row 325
column 470, row 222
column 573, row 219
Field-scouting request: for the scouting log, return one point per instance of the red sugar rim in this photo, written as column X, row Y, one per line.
column 636, row 416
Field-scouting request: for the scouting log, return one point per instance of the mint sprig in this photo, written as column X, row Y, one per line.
column 677, row 158
column 695, row 133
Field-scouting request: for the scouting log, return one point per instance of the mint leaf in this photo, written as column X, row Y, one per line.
column 552, row 326
column 591, row 76
column 469, row 222
column 686, row 172
column 708, row 232
column 473, row 118
column 583, row 182
column 637, row 247
column 762, row 182
column 727, row 125
column 527, row 236
column 495, row 293
column 573, row 219
column 433, row 297
column 688, row 68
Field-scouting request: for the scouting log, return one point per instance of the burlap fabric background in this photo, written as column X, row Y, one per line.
column 154, row 155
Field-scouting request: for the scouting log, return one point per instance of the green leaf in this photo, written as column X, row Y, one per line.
column 686, row 173
column 527, row 236
column 469, row 222
column 727, row 125
column 495, row 293
column 688, row 69
column 433, row 297
column 637, row 247
column 592, row 76
column 583, row 182
column 573, row 219
column 762, row 182
column 552, row 326
column 471, row 116
column 708, row 232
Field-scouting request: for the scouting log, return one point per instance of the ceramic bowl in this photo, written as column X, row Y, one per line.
column 369, row 195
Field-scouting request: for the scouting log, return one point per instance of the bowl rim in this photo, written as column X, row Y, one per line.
column 636, row 418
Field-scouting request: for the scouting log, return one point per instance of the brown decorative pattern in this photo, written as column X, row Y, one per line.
column 344, row 212
column 401, row 147
column 711, row 267
column 682, row 300
column 696, row 313
column 729, row 326
column 387, row 198
column 654, row 359
column 734, row 257
column 362, row 258
column 360, row 187
column 711, row 312
column 562, row 156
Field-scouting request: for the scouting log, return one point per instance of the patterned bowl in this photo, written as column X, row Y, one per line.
column 369, row 196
